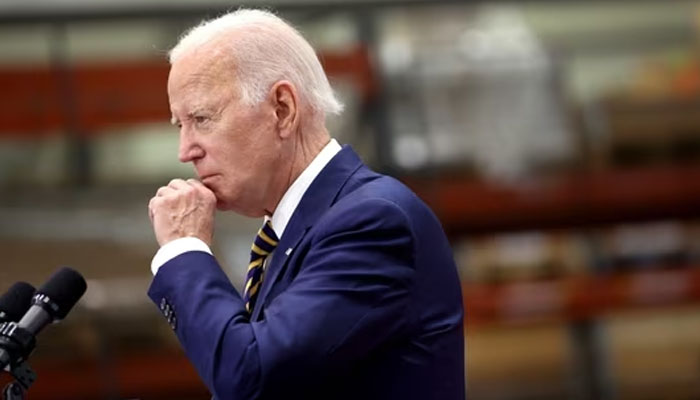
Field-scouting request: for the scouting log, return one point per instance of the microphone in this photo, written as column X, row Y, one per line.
column 54, row 300
column 16, row 301
column 51, row 303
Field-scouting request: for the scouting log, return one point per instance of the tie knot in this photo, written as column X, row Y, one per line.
column 265, row 241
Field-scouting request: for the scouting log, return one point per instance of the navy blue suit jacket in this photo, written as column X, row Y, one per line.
column 361, row 300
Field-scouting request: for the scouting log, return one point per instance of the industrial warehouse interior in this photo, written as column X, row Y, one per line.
column 558, row 142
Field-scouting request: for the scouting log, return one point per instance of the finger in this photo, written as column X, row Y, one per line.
column 178, row 184
column 164, row 191
column 201, row 188
column 151, row 208
column 197, row 184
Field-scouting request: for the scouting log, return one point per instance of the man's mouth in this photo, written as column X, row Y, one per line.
column 207, row 177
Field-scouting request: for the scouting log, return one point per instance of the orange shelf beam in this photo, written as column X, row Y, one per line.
column 643, row 193
column 579, row 298
column 87, row 98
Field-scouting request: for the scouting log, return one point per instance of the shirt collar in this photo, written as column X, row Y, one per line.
column 289, row 202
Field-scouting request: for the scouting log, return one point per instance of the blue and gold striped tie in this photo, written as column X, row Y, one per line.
column 265, row 242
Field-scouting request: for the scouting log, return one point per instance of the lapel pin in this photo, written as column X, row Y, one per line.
column 288, row 252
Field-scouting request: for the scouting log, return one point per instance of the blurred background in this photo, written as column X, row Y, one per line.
column 557, row 141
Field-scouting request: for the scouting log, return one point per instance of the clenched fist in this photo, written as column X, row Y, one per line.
column 183, row 208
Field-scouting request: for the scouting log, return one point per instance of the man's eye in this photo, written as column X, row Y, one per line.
column 199, row 119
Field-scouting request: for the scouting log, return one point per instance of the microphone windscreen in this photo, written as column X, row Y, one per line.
column 16, row 301
column 64, row 288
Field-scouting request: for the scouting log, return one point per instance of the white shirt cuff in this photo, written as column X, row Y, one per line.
column 176, row 247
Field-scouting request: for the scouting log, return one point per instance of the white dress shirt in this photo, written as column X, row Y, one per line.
column 280, row 218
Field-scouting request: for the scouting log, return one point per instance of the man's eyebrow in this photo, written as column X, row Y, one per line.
column 174, row 121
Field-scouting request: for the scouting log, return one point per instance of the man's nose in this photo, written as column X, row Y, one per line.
column 189, row 150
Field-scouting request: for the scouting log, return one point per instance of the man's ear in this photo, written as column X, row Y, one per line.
column 285, row 104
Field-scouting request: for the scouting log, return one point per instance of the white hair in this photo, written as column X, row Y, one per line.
column 269, row 50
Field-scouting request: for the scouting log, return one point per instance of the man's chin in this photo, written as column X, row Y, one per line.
column 222, row 206
column 238, row 208
column 224, row 203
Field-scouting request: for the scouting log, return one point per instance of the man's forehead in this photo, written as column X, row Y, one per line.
column 200, row 76
column 214, row 53
column 197, row 67
column 200, row 72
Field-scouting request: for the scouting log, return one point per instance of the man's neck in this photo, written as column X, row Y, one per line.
column 306, row 148
column 294, row 194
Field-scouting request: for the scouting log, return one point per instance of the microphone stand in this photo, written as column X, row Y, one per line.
column 50, row 303
column 17, row 344
column 24, row 377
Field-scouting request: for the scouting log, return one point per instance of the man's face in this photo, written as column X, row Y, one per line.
column 234, row 147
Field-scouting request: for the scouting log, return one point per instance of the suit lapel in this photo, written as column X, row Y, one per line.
column 320, row 195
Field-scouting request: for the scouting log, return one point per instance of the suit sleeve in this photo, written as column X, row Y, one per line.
column 349, row 297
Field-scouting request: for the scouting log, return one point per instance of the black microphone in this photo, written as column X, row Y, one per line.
column 51, row 303
column 16, row 301
column 54, row 299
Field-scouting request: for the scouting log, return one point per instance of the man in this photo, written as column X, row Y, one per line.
column 352, row 291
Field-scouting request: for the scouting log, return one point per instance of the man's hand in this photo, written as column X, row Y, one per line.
column 183, row 208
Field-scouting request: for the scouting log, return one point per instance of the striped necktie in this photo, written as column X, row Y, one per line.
column 264, row 243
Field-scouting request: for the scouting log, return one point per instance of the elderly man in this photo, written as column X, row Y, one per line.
column 352, row 291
